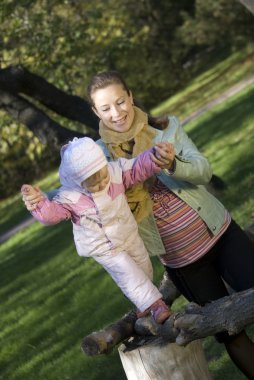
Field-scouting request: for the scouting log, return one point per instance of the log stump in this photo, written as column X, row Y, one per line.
column 165, row 362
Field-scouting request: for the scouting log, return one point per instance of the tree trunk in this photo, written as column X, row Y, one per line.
column 164, row 362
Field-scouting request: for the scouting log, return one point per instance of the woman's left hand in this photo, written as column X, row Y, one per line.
column 164, row 155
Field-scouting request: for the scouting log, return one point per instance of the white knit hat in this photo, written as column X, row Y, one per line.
column 81, row 158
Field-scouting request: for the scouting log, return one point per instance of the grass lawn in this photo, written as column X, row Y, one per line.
column 210, row 84
column 12, row 211
column 225, row 135
column 51, row 298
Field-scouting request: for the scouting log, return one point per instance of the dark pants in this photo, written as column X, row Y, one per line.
column 231, row 260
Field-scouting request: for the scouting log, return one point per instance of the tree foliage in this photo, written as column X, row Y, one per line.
column 157, row 45
column 149, row 41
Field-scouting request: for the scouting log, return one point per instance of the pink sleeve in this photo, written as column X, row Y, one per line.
column 138, row 169
column 49, row 212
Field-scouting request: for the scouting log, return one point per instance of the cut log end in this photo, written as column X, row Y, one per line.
column 93, row 347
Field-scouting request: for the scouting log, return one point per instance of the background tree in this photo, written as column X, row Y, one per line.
column 158, row 46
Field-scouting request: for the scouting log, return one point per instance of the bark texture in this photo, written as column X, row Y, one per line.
column 31, row 100
column 102, row 342
column 18, row 80
column 231, row 313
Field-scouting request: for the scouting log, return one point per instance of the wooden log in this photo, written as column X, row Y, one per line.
column 168, row 290
column 231, row 313
column 103, row 341
column 159, row 360
column 165, row 362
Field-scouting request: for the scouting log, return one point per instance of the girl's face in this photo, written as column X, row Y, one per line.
column 114, row 107
column 97, row 182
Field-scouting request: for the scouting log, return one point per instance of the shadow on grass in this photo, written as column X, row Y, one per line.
column 227, row 126
column 12, row 214
column 233, row 116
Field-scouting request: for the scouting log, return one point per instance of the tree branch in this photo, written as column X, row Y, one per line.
column 17, row 80
column 102, row 342
column 47, row 130
column 231, row 313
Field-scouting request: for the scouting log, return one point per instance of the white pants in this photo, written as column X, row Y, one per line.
column 132, row 271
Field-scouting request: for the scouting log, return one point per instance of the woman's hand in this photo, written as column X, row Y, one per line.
column 164, row 155
column 31, row 196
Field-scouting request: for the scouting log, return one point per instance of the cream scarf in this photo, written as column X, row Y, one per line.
column 129, row 144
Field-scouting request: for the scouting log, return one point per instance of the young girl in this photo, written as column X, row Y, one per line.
column 93, row 197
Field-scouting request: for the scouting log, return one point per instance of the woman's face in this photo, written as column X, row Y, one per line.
column 114, row 107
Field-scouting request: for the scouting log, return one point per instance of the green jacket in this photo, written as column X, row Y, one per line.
column 192, row 172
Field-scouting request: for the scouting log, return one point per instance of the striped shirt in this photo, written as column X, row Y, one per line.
column 185, row 235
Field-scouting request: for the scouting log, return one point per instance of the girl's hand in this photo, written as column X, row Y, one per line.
column 31, row 196
column 164, row 155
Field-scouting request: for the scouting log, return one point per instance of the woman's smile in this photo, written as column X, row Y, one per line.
column 120, row 121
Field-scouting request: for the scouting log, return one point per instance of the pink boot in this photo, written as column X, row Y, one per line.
column 160, row 311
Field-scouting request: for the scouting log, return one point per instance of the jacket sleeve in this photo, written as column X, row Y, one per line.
column 49, row 212
column 138, row 169
column 190, row 164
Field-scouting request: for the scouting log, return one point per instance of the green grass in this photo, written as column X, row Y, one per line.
column 210, row 84
column 225, row 135
column 51, row 298
column 12, row 211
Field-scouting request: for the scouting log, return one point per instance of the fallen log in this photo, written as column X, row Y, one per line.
column 103, row 341
column 150, row 355
column 168, row 290
column 148, row 361
column 231, row 313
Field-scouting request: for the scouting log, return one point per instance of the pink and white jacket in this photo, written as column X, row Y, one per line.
column 102, row 222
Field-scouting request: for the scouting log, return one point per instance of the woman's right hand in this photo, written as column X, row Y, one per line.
column 31, row 196
column 164, row 155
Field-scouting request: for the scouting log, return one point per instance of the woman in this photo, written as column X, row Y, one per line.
column 192, row 232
